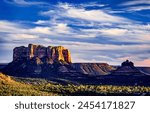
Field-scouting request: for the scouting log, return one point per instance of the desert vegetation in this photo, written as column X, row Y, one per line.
column 9, row 87
column 40, row 87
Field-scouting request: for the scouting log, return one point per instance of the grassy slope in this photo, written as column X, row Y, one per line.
column 10, row 87
column 24, row 86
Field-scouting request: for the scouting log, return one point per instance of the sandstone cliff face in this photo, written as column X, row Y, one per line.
column 48, row 54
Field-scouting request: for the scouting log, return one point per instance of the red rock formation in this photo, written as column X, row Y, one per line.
column 66, row 54
column 51, row 54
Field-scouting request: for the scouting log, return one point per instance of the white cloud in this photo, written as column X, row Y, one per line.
column 11, row 27
column 41, row 30
column 93, row 4
column 25, row 2
column 107, row 32
column 54, row 29
column 138, row 8
column 66, row 10
column 62, row 28
column 137, row 5
column 136, row 2
column 13, row 31
column 92, row 52
column 122, row 33
column 106, row 24
column 39, row 22
column 23, row 36
column 87, row 46
column 114, row 32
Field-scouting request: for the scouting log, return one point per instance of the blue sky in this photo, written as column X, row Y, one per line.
column 94, row 30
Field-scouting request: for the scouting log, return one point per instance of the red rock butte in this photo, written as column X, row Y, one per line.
column 52, row 53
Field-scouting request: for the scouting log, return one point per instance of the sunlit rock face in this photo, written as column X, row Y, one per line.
column 48, row 54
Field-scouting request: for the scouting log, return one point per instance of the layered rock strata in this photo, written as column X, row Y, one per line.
column 50, row 54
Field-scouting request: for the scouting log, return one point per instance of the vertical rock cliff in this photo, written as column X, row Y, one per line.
column 49, row 54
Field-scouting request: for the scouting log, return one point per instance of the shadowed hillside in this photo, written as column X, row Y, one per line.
column 145, row 69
